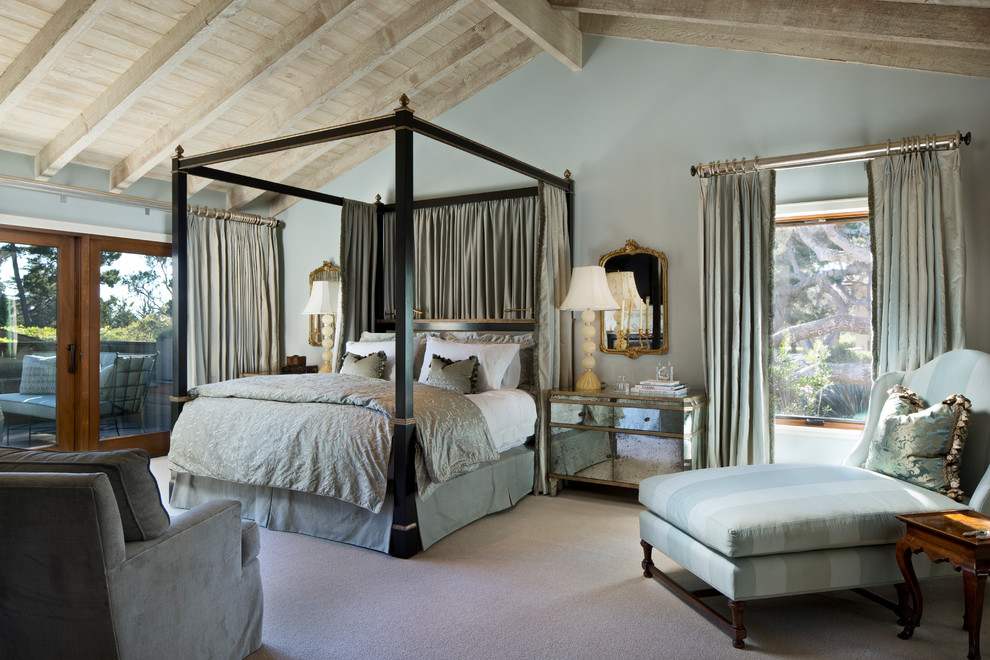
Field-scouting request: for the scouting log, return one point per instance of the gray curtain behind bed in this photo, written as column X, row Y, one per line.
column 919, row 259
column 473, row 261
column 358, row 262
column 554, row 337
column 737, row 230
column 234, row 302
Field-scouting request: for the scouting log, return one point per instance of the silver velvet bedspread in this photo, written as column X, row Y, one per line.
column 328, row 434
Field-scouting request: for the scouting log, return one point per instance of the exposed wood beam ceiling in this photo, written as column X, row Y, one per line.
column 945, row 37
column 118, row 84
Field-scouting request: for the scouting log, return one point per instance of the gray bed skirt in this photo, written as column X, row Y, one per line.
column 495, row 486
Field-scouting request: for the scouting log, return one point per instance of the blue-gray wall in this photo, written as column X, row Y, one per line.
column 633, row 120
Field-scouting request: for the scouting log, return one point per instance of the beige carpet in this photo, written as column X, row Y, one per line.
column 553, row 578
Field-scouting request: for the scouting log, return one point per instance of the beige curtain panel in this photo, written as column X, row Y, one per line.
column 234, row 303
column 737, row 231
column 919, row 259
column 473, row 261
column 554, row 332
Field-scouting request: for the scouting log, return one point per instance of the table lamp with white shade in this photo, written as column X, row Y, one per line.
column 323, row 301
column 588, row 292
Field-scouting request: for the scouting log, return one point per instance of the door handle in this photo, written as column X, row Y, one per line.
column 72, row 358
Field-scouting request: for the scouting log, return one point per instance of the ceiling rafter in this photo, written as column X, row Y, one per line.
column 943, row 38
column 400, row 32
column 290, row 42
column 484, row 35
column 56, row 36
column 468, row 86
column 553, row 30
column 192, row 31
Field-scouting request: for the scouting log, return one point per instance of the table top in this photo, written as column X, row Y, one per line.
column 951, row 524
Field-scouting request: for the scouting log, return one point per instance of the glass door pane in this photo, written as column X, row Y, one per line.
column 28, row 344
column 135, row 362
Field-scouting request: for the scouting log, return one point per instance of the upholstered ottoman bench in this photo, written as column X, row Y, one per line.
column 768, row 530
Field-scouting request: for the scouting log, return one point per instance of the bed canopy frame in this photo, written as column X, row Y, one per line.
column 404, row 539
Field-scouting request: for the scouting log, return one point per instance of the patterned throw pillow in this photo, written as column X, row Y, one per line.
column 457, row 375
column 38, row 375
column 921, row 445
column 371, row 365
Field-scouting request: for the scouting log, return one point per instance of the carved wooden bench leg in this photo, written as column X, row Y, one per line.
column 738, row 629
column 734, row 628
column 647, row 558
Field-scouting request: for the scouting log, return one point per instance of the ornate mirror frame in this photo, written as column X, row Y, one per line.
column 649, row 276
column 330, row 273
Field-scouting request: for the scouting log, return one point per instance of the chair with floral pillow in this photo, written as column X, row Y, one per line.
column 759, row 531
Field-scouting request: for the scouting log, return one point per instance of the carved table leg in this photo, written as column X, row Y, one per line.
column 974, row 583
column 912, row 614
column 647, row 558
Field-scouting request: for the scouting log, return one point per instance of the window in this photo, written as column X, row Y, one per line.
column 821, row 344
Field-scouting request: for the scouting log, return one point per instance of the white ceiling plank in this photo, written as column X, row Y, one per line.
column 552, row 30
column 465, row 89
column 486, row 34
column 293, row 40
column 920, row 57
column 392, row 37
column 867, row 19
column 189, row 34
column 57, row 35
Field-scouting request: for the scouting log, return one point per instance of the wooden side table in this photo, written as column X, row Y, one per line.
column 956, row 537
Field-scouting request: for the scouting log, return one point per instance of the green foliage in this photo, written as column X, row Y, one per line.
column 151, row 328
column 29, row 333
column 799, row 380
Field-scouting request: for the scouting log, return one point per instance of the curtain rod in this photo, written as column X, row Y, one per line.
column 905, row 145
column 126, row 200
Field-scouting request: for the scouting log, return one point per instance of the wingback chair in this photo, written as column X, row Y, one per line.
column 91, row 567
column 757, row 531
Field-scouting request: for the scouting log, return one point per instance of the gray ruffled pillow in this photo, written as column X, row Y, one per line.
column 459, row 376
column 919, row 444
column 371, row 365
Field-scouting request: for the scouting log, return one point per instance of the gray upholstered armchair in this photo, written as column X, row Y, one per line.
column 92, row 567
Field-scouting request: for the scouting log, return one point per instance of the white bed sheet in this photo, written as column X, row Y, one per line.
column 511, row 416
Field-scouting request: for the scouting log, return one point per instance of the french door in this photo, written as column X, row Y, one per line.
column 85, row 341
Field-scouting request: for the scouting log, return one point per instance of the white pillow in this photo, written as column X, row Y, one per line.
column 493, row 359
column 365, row 347
column 513, row 373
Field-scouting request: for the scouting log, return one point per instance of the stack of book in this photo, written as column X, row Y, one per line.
column 660, row 388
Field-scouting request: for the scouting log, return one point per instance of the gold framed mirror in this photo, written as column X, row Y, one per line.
column 328, row 273
column 637, row 277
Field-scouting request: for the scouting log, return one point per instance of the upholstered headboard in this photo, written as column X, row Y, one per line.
column 965, row 372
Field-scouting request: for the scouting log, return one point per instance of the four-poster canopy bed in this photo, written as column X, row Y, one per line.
column 403, row 530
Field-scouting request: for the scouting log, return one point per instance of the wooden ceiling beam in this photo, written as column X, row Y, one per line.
column 290, row 42
column 915, row 56
column 399, row 33
column 191, row 32
column 873, row 20
column 553, row 30
column 468, row 86
column 485, row 34
column 51, row 42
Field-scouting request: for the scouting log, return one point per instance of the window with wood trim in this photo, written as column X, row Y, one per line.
column 821, row 342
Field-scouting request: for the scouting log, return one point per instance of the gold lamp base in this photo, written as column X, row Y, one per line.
column 588, row 381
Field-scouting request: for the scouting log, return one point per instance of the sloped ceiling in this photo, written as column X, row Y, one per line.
column 118, row 84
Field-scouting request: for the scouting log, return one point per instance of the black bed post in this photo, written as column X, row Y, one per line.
column 404, row 540
column 180, row 281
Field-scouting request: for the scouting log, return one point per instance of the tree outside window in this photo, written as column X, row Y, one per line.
column 822, row 335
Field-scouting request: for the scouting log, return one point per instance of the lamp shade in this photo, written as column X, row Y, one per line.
column 622, row 284
column 323, row 299
column 589, row 290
